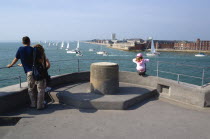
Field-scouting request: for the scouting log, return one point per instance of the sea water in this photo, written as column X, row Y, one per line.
column 181, row 66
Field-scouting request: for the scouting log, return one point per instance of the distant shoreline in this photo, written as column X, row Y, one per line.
column 97, row 43
column 188, row 51
column 159, row 50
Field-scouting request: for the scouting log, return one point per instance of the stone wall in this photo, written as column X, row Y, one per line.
column 12, row 96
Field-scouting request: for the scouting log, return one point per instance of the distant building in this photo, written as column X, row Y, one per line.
column 190, row 45
column 164, row 44
column 140, row 44
column 113, row 36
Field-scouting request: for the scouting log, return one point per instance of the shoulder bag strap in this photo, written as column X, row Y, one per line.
column 34, row 56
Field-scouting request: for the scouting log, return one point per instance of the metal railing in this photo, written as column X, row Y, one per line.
column 84, row 65
column 202, row 78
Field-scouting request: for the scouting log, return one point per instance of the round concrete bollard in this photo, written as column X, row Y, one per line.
column 104, row 78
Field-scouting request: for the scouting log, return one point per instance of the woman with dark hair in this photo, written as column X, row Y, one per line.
column 41, row 60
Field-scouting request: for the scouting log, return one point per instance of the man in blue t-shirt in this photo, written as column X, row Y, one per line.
column 25, row 54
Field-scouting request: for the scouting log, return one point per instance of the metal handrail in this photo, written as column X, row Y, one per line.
column 79, row 68
column 179, row 74
column 182, row 64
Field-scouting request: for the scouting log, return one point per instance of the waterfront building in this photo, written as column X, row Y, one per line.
column 113, row 36
column 164, row 44
column 140, row 44
column 129, row 44
column 190, row 45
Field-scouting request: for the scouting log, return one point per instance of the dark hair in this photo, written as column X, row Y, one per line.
column 26, row 40
column 41, row 51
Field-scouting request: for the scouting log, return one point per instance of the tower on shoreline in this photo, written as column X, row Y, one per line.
column 113, row 36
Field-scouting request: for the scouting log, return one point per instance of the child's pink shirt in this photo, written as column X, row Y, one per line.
column 140, row 66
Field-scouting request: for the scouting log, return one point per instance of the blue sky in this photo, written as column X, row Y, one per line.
column 90, row 19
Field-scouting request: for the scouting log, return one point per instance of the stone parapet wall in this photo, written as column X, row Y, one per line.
column 182, row 92
column 12, row 97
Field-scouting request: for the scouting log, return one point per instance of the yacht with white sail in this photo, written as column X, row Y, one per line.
column 62, row 45
column 67, row 47
column 200, row 54
column 76, row 51
column 101, row 52
column 152, row 50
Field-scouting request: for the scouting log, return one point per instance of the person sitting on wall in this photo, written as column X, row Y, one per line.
column 140, row 64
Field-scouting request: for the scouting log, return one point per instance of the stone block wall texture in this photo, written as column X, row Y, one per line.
column 104, row 78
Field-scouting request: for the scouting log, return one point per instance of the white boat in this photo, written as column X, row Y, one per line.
column 62, row 45
column 200, row 54
column 91, row 50
column 153, row 50
column 67, row 47
column 79, row 54
column 76, row 51
column 101, row 52
column 105, row 54
column 71, row 51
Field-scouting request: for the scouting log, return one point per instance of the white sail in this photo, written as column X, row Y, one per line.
column 77, row 45
column 153, row 50
column 62, row 45
column 67, row 46
column 152, row 47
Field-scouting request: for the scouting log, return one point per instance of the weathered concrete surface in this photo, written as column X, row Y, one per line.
column 182, row 92
column 79, row 96
column 104, row 78
column 153, row 120
column 13, row 96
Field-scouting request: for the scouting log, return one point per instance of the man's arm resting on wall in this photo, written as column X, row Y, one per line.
column 13, row 63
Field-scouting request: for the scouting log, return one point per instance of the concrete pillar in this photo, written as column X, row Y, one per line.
column 104, row 78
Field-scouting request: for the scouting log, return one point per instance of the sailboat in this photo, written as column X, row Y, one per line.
column 67, row 47
column 76, row 51
column 153, row 50
column 91, row 50
column 200, row 54
column 62, row 45
column 79, row 53
column 105, row 54
column 101, row 52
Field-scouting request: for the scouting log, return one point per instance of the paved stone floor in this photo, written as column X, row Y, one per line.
column 155, row 119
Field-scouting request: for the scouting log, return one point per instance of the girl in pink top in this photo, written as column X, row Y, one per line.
column 140, row 64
